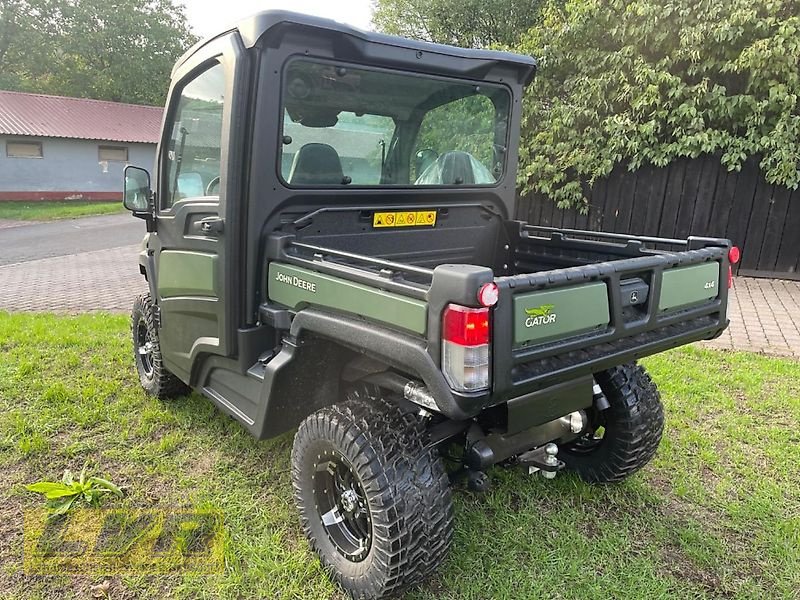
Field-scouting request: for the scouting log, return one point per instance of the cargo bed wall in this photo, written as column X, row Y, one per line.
column 459, row 234
column 535, row 251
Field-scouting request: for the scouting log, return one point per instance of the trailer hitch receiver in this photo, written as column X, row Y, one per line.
column 543, row 459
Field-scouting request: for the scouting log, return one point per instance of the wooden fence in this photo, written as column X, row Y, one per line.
column 692, row 197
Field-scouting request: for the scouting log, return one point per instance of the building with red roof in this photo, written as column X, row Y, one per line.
column 54, row 148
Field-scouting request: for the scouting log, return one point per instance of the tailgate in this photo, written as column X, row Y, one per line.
column 569, row 322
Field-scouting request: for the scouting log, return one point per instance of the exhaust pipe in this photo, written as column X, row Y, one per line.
column 411, row 390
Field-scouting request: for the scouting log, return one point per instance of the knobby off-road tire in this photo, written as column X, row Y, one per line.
column 633, row 425
column 401, row 522
column 154, row 376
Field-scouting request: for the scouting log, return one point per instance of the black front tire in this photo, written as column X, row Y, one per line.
column 631, row 428
column 153, row 375
column 396, row 526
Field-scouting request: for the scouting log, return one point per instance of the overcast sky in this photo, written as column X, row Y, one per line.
column 208, row 17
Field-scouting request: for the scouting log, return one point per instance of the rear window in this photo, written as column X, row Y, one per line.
column 346, row 125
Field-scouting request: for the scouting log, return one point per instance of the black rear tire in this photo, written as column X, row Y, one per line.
column 153, row 375
column 390, row 522
column 631, row 428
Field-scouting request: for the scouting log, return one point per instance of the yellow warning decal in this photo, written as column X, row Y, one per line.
column 419, row 218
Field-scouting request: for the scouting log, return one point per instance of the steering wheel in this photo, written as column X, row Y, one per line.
column 211, row 185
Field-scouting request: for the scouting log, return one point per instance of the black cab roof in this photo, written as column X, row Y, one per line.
column 271, row 26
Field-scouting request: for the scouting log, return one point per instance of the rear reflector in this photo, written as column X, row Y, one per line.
column 465, row 347
column 488, row 295
column 734, row 255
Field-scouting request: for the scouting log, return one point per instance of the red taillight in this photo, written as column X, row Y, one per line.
column 730, row 277
column 466, row 353
column 465, row 326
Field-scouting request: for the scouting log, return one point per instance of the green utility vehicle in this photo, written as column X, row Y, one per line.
column 331, row 248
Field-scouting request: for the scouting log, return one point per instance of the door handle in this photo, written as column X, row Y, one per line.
column 211, row 225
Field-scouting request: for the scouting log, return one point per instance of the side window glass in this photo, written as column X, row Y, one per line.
column 192, row 160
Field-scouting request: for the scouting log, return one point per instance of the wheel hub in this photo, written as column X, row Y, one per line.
column 342, row 507
column 144, row 348
column 349, row 500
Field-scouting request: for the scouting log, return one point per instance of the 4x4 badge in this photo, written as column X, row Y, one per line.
column 540, row 315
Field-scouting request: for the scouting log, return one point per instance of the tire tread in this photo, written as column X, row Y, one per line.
column 164, row 385
column 634, row 435
column 406, row 482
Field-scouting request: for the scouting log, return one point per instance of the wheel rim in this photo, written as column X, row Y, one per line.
column 144, row 349
column 342, row 507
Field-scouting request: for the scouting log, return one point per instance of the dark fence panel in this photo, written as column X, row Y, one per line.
column 692, row 197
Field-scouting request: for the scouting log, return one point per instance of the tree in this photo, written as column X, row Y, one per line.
column 121, row 50
column 21, row 37
column 654, row 80
column 466, row 23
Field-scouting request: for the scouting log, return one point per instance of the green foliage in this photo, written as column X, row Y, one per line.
column 61, row 496
column 654, row 80
column 466, row 124
column 120, row 50
column 467, row 23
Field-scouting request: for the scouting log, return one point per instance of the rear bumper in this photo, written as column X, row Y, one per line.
column 539, row 373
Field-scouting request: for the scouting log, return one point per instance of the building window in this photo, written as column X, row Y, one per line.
column 113, row 153
column 21, row 149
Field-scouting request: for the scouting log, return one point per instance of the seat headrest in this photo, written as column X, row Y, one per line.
column 456, row 168
column 316, row 164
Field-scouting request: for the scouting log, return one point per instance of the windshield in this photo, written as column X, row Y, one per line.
column 344, row 125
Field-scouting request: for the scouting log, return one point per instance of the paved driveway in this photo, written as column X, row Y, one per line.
column 765, row 317
column 76, row 265
column 90, row 264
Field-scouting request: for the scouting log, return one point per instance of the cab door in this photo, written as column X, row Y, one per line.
column 193, row 232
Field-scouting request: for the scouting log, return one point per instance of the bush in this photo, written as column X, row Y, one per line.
column 654, row 80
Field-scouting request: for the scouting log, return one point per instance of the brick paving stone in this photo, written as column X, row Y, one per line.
column 765, row 317
column 103, row 280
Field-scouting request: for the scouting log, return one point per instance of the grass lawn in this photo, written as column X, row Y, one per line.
column 50, row 211
column 715, row 515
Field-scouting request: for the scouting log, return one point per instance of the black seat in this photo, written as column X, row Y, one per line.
column 316, row 164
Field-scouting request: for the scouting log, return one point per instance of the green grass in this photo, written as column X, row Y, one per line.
column 715, row 515
column 50, row 211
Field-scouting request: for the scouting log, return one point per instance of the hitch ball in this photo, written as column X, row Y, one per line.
column 544, row 459
column 550, row 459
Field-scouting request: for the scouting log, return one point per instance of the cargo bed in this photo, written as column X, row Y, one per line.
column 571, row 302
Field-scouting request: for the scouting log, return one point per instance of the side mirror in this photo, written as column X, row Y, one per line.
column 423, row 159
column 137, row 197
